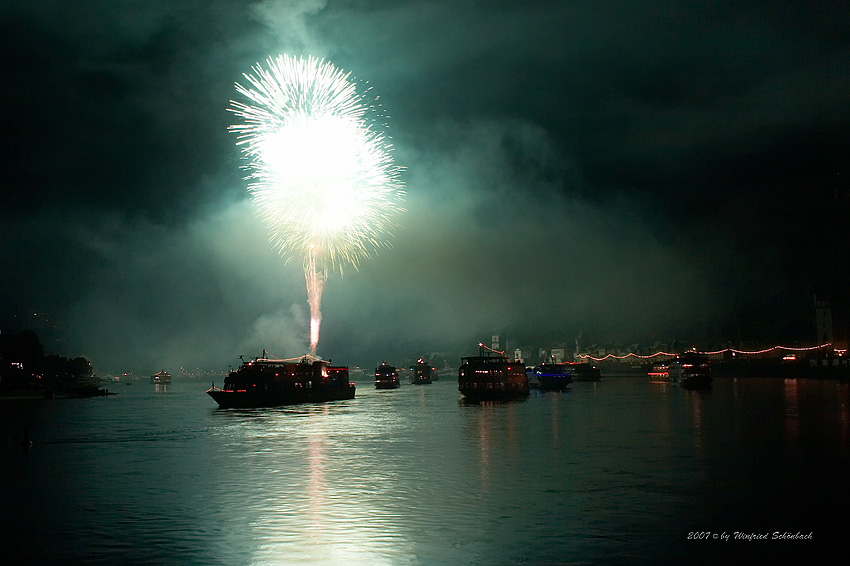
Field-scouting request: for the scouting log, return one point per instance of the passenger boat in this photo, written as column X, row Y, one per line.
column 660, row 372
column 386, row 377
column 422, row 373
column 492, row 376
column 690, row 370
column 161, row 378
column 264, row 382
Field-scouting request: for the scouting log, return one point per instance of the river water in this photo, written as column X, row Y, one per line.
column 618, row 471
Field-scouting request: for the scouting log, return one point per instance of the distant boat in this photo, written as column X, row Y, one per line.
column 423, row 373
column 690, row 370
column 551, row 376
column 161, row 378
column 533, row 381
column 660, row 372
column 583, row 371
column 386, row 377
column 492, row 376
column 264, row 382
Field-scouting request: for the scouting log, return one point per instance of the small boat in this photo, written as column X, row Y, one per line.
column 160, row 378
column 386, row 377
column 422, row 373
column 492, row 376
column 533, row 381
column 660, row 372
column 264, row 382
column 552, row 376
column 690, row 370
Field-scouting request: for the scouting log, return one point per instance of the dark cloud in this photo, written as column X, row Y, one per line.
column 633, row 171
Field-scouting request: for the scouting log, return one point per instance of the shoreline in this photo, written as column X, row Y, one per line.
column 31, row 396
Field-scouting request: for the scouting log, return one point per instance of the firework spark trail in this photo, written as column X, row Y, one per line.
column 319, row 170
column 315, row 284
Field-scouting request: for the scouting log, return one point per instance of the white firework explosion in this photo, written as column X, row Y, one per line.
column 319, row 168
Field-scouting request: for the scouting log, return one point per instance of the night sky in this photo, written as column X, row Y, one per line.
column 634, row 171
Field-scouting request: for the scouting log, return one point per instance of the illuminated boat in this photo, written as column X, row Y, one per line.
column 386, row 377
column 161, row 378
column 264, row 382
column 422, row 373
column 552, row 376
column 690, row 370
column 659, row 372
column 492, row 376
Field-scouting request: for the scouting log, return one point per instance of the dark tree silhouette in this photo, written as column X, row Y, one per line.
column 25, row 367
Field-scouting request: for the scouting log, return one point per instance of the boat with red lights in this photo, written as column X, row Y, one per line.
column 492, row 376
column 690, row 370
column 422, row 373
column 386, row 377
column 659, row 372
column 264, row 382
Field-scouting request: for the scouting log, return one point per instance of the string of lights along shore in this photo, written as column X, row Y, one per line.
column 838, row 351
column 319, row 167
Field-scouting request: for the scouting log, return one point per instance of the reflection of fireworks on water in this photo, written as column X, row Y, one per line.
column 319, row 170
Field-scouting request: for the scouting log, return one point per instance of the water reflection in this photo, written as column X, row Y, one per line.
column 484, row 431
column 322, row 496
column 696, row 400
column 495, row 433
column 792, row 410
column 555, row 417
column 316, row 439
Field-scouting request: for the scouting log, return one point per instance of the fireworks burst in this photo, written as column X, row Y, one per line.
column 319, row 168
